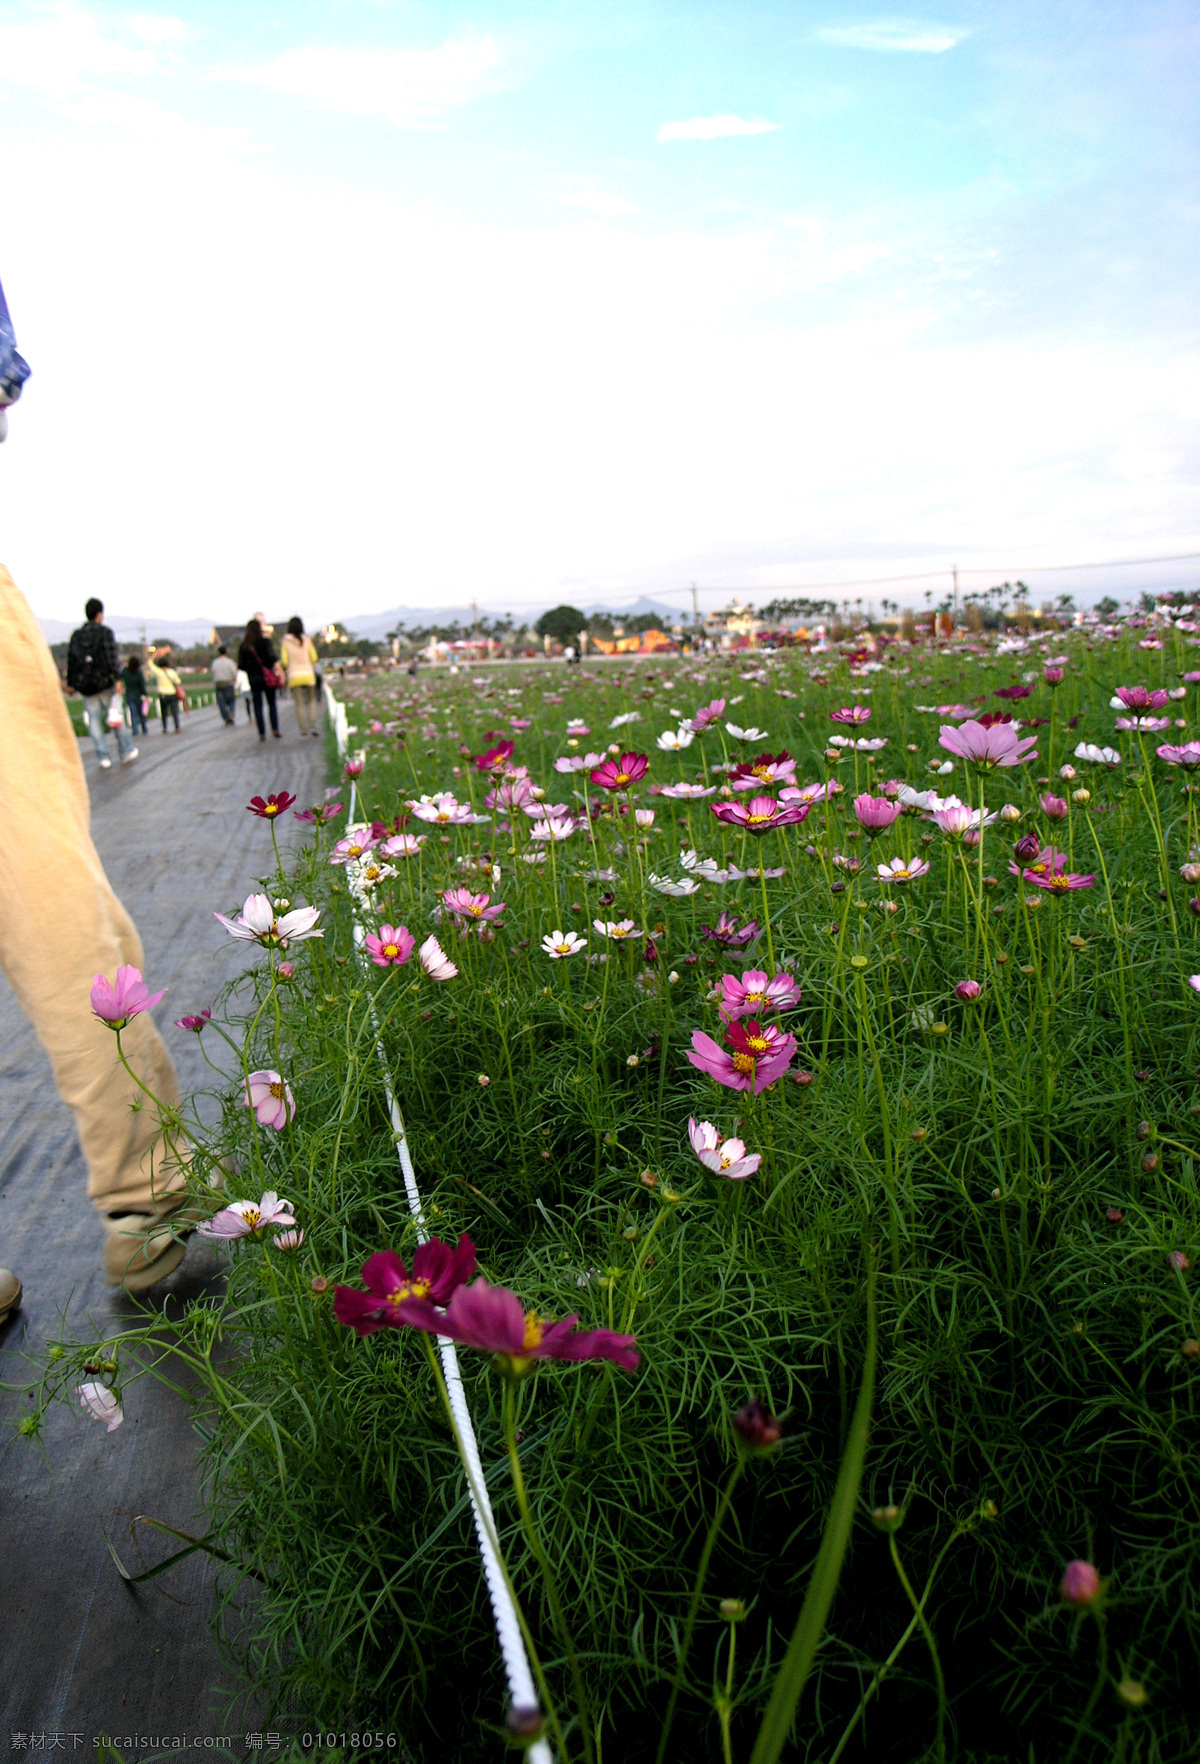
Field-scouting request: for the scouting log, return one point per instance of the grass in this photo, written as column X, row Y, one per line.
column 1035, row 1398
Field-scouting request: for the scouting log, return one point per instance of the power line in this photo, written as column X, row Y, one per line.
column 1120, row 563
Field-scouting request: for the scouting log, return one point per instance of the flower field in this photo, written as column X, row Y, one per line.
column 815, row 1032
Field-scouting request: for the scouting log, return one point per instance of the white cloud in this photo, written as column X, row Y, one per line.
column 410, row 88
column 156, row 27
column 714, row 128
column 60, row 51
column 601, row 202
column 904, row 36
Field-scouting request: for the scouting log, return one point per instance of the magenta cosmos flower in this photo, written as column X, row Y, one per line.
column 727, row 1157
column 876, row 813
column 729, row 933
column 465, row 905
column 768, row 769
column 1140, row 698
column 352, row 768
column 709, row 713
column 986, row 748
column 392, row 947
column 1053, row 676
column 319, row 813
column 116, row 1002
column 196, row 1024
column 619, row 774
column 1081, row 1584
column 1058, row 881
column 249, row 1218
column 760, row 814
column 1013, row 691
column 754, row 994
column 756, row 1057
column 496, row 758
column 271, row 1099
column 273, row 805
column 851, row 713
column 437, row 1273
column 494, row 1320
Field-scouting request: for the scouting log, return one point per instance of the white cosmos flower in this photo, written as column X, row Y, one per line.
column 627, row 717
column 563, row 943
column 617, row 929
column 1097, row 756
column 101, row 1404
column 744, row 734
column 676, row 890
column 257, row 923
column 553, row 830
column 435, row 961
column 675, row 740
column 687, row 792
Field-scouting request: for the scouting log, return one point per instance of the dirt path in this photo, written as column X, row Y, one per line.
column 83, row 1653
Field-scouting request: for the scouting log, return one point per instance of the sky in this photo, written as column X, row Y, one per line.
column 334, row 307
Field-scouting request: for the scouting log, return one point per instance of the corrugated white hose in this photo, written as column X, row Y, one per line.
column 508, row 1630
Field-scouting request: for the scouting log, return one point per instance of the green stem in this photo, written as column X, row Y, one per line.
column 710, row 1544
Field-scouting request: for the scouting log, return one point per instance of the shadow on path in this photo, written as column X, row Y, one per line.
column 83, row 1653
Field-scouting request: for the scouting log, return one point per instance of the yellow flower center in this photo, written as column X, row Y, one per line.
column 391, row 950
column 252, row 1216
column 621, row 778
column 1059, row 882
column 411, row 1289
column 533, row 1332
column 756, row 998
column 744, row 1063
column 277, row 1091
column 759, row 1043
column 726, row 1160
column 753, row 820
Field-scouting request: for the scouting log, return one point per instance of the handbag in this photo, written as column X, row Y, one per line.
column 275, row 677
column 116, row 713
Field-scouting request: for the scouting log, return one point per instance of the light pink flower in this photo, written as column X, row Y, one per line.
column 357, row 842
column 286, row 1240
column 554, row 829
column 687, row 792
column 1080, row 1584
column 270, row 1098
column 902, row 870
column 1187, row 756
column 257, row 923
column 102, row 1404
column 248, row 1218
column 444, row 810
column 574, row 762
column 754, row 994
column 876, row 813
column 1054, row 807
column 115, row 1003
column 515, row 793
column 435, row 961
column 465, row 905
column 620, row 930
column 727, row 1157
column 1142, row 725
column 392, row 947
column 405, row 845
column 709, row 713
column 986, row 748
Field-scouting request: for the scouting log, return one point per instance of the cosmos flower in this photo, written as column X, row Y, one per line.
column 875, row 813
column 1097, row 756
column 270, row 1098
column 1013, row 691
column 435, row 961
column 392, row 947
column 496, row 758
column 727, row 1157
column 1057, row 881
column 437, row 1273
column 195, row 1024
column 754, row 994
column 851, row 713
column 668, row 886
column 102, row 1404
column 563, row 943
column 257, row 923
column 355, row 844
column 730, row 934
column 1187, row 756
column 319, row 813
column 577, row 729
column 1139, row 698
column 750, row 734
column 625, row 718
column 708, row 714
column 575, row 762
column 987, row 748
column 405, row 845
column 1081, row 1584
column 445, row 810
column 1054, row 808
column 767, row 770
column 619, row 774
column 493, row 1319
column 115, row 1003
column 675, row 740
column 810, row 793
column 761, row 813
column 515, row 793
column 465, row 905
column 1143, row 725
column 902, row 870
column 955, row 818
column 688, row 792
column 553, row 829
column 755, row 1057
column 272, row 806
column 248, row 1218
column 618, row 929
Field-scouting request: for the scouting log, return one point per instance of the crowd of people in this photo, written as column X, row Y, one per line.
column 117, row 697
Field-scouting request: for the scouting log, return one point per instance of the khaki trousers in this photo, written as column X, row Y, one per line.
column 61, row 925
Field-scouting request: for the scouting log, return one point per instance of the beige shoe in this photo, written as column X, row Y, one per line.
column 143, row 1248
column 10, row 1293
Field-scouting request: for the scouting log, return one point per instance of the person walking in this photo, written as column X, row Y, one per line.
column 168, row 685
column 224, row 672
column 135, row 692
column 300, row 665
column 92, row 668
column 257, row 659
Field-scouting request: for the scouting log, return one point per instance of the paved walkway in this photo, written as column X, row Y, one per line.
column 83, row 1653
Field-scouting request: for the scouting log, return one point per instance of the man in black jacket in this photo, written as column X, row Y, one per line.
column 93, row 666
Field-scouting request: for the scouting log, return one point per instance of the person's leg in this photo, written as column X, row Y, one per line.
column 124, row 738
column 256, row 693
column 94, row 710
column 60, row 925
column 175, row 711
column 223, row 697
column 300, row 696
column 162, row 706
column 272, row 711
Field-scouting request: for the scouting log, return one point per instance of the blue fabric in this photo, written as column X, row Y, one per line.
column 14, row 369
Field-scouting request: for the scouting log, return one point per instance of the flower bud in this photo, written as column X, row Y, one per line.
column 1114, row 1215
column 484, row 1081
column 1150, row 1162
column 1081, row 1584
column 972, row 836
column 1131, row 1693
column 1067, row 772
column 1082, row 797
column 1026, row 849
column 989, row 1510
column 1190, row 872
column 285, row 970
column 319, row 1284
column 920, row 1133
column 1190, row 1348
column 1143, row 1130
column 758, row 1431
column 802, row 1078
column 524, row 1723
column 1179, row 1261
column 1010, row 812
column 887, row 1518
column 733, row 1610
column 1052, row 676
column 968, row 991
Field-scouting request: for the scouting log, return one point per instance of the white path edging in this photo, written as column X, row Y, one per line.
column 508, row 1630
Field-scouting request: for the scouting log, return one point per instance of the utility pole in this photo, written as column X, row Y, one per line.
column 954, row 569
column 695, row 607
column 475, row 618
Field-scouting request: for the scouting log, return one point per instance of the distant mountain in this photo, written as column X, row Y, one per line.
column 185, row 632
column 379, row 624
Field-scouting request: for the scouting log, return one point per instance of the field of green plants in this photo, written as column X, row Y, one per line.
column 816, row 1029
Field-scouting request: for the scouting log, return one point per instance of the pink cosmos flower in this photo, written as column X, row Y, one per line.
column 761, row 813
column 1013, row 691
column 619, row 774
column 257, row 923
column 876, row 813
column 493, row 1319
column 352, row 768
column 445, row 810
column 902, row 870
column 1058, row 881
column 465, row 905
column 554, row 829
column 286, row 1240
column 405, row 845
column 519, row 723
column 496, row 758
column 1194, row 982
column 577, row 728
column 851, row 713
column 577, row 762
column 1143, row 725
column 195, row 1024
column 320, row 813
column 768, row 769
column 102, row 1404
column 620, row 930
column 437, row 1273
column 357, row 842
column 1053, row 807
column 1053, row 676
column 115, row 1003
column 513, row 794
column 956, row 820
column 754, row 994
column 687, row 792
column 435, row 961
column 987, row 748
column 1187, row 756
column 248, row 1218
column 727, row 1157
column 811, row 793
column 272, row 806
column 709, row 713
column 729, row 933
column 757, row 1058
column 392, row 947
column 271, row 1099
column 1080, row 1584
column 1139, row 698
